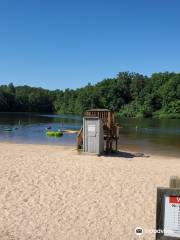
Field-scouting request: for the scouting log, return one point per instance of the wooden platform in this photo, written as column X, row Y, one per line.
column 111, row 129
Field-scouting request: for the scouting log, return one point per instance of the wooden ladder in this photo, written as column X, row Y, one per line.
column 80, row 139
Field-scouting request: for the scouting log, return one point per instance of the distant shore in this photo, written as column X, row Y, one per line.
column 53, row 192
column 117, row 114
column 129, row 94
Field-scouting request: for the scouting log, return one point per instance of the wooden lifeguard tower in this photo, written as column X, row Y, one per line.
column 110, row 128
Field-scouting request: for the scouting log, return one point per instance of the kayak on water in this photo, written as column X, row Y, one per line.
column 54, row 133
column 70, row 131
column 49, row 127
column 10, row 129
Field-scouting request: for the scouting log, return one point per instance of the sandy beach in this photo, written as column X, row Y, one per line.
column 55, row 193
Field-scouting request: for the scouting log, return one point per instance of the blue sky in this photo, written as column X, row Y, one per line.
column 67, row 43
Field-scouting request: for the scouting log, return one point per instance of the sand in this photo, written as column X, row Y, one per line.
column 52, row 192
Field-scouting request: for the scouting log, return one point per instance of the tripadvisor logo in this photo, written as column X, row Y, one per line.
column 139, row 231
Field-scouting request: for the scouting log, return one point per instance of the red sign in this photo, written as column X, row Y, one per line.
column 174, row 199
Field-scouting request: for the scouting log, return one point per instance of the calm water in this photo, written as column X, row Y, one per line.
column 32, row 128
column 142, row 135
column 151, row 136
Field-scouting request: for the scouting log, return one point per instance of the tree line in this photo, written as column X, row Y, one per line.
column 129, row 95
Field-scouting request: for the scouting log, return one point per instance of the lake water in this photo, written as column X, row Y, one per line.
column 32, row 128
column 139, row 135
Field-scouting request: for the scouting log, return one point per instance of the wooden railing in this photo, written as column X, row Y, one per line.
column 106, row 116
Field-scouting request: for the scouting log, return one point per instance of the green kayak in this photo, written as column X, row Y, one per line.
column 54, row 133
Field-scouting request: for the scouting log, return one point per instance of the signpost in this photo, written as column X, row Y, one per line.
column 172, row 216
column 168, row 212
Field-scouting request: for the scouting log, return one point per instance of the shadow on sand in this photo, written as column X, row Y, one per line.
column 125, row 154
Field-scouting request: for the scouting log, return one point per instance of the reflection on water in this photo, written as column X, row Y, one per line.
column 142, row 135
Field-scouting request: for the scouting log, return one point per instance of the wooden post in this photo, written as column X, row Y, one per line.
column 116, row 144
column 174, row 182
column 110, row 147
column 107, row 145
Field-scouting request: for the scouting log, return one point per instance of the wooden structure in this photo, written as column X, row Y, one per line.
column 110, row 128
column 174, row 182
column 106, row 115
column 80, row 139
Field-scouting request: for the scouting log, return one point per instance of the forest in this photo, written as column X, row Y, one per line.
column 128, row 95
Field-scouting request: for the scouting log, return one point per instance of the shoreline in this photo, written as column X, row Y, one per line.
column 117, row 114
column 38, row 144
column 71, row 146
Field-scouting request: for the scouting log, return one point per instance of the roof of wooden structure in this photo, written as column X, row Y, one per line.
column 99, row 110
